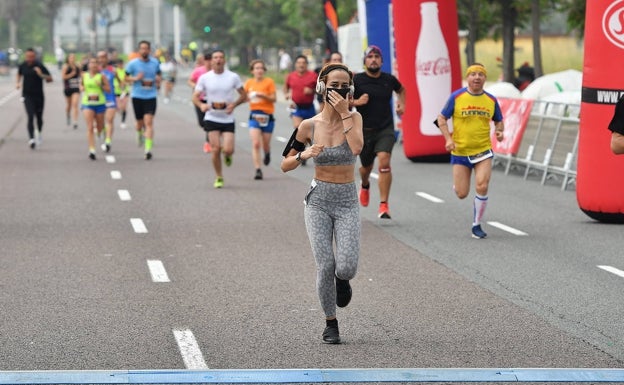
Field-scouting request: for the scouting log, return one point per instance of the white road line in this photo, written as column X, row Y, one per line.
column 110, row 159
column 612, row 270
column 281, row 139
column 138, row 225
column 157, row 271
column 9, row 97
column 192, row 356
column 374, row 175
column 115, row 174
column 507, row 228
column 124, row 195
column 429, row 197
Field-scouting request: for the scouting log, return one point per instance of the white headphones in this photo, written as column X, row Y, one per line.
column 320, row 85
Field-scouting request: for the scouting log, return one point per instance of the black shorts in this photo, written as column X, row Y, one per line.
column 221, row 127
column 200, row 116
column 376, row 141
column 70, row 91
column 143, row 107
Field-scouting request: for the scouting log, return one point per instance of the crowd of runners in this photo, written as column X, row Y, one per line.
column 337, row 116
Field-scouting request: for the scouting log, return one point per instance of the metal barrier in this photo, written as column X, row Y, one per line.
column 549, row 144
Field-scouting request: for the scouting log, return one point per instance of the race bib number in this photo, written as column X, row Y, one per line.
column 481, row 156
column 262, row 119
column 147, row 83
column 93, row 97
column 74, row 83
column 219, row 105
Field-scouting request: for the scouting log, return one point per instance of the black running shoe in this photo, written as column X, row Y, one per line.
column 258, row 174
column 148, row 155
column 267, row 158
column 343, row 292
column 331, row 335
column 92, row 155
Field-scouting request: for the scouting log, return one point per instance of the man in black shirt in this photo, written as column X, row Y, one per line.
column 372, row 99
column 616, row 126
column 34, row 73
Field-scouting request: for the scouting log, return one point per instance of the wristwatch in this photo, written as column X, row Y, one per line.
column 298, row 157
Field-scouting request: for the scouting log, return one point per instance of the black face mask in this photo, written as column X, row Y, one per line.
column 342, row 91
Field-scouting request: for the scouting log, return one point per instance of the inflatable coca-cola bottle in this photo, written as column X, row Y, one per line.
column 433, row 68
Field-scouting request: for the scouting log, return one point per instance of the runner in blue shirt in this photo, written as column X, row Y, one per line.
column 144, row 74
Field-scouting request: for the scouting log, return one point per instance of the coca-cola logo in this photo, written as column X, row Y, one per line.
column 613, row 23
column 439, row 66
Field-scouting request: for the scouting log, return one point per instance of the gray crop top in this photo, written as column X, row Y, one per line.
column 340, row 155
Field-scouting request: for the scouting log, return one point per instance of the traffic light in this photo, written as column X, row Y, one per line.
column 207, row 29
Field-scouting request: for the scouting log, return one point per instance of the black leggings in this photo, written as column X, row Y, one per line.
column 34, row 108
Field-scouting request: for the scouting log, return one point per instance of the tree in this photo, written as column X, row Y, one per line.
column 576, row 14
column 255, row 25
column 509, row 18
column 537, row 37
column 200, row 13
column 477, row 17
column 50, row 10
column 297, row 14
column 107, row 16
column 12, row 11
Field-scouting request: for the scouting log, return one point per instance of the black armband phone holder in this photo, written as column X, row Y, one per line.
column 293, row 143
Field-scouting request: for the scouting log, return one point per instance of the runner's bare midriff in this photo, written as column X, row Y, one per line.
column 335, row 174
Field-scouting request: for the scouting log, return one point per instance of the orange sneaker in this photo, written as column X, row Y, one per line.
column 384, row 212
column 207, row 147
column 364, row 196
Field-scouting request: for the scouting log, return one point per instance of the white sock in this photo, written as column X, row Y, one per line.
column 480, row 203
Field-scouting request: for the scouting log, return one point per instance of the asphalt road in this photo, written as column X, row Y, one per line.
column 225, row 278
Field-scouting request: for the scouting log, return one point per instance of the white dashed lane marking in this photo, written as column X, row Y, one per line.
column 429, row 197
column 110, row 159
column 191, row 354
column 124, row 195
column 506, row 228
column 116, row 175
column 138, row 225
column 157, row 271
column 612, row 270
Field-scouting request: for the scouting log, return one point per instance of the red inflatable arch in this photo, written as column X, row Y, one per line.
column 600, row 174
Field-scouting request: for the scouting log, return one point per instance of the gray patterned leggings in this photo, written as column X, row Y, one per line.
column 332, row 213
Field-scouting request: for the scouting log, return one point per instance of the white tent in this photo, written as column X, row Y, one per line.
column 503, row 89
column 554, row 83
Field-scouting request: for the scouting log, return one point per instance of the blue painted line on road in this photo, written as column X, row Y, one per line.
column 277, row 376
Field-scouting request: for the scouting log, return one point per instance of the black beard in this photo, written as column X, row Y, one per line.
column 373, row 70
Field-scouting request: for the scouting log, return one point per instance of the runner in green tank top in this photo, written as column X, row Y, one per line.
column 122, row 90
column 93, row 85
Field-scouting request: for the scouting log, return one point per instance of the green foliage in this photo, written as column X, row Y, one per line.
column 31, row 34
column 576, row 14
column 251, row 23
